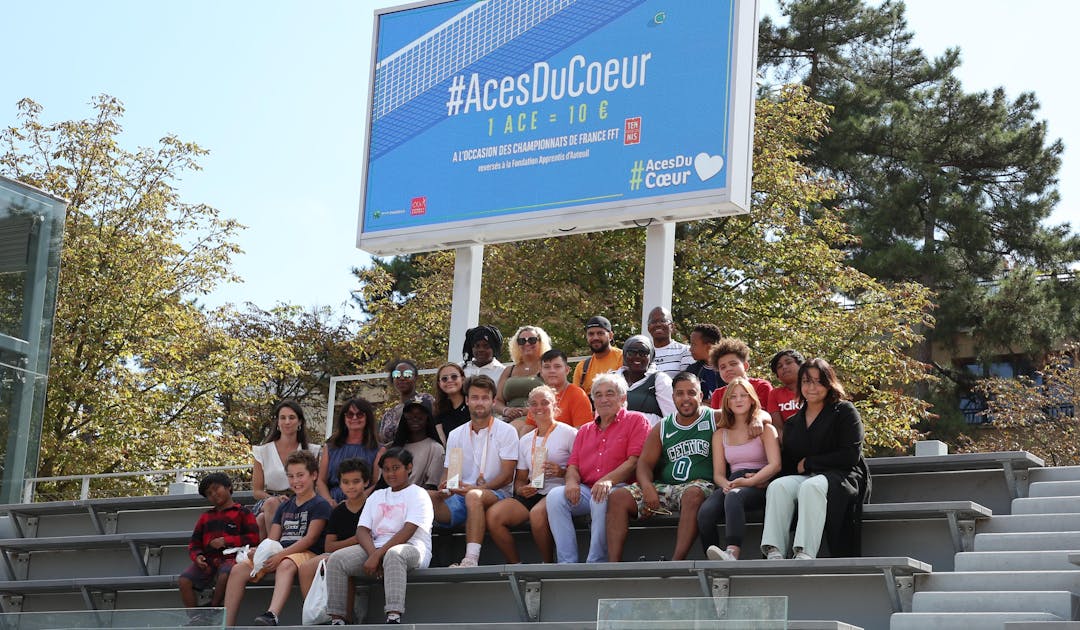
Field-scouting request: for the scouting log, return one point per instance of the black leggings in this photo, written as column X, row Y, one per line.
column 731, row 509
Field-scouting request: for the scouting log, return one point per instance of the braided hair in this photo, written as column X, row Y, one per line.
column 488, row 333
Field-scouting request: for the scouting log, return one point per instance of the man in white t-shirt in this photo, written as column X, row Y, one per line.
column 671, row 357
column 488, row 452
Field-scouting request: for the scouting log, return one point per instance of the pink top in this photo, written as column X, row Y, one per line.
column 748, row 456
column 596, row 452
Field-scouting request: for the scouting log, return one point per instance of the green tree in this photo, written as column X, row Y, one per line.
column 1037, row 413
column 137, row 366
column 772, row 277
column 304, row 348
column 943, row 187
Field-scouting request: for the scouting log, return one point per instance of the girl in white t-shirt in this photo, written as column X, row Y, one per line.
column 551, row 441
column 394, row 536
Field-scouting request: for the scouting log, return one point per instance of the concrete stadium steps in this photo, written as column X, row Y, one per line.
column 1014, row 561
column 1028, row 541
column 1054, row 489
column 1046, row 505
column 1058, row 580
column 1014, row 523
column 1054, row 473
column 963, row 621
column 1042, row 625
column 1064, row 604
column 1019, row 573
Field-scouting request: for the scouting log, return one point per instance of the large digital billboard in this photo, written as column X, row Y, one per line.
column 497, row 120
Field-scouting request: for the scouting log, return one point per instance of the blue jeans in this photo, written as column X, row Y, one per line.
column 561, row 520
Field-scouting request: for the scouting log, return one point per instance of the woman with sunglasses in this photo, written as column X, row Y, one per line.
column 650, row 389
column 353, row 437
column 450, row 409
column 823, row 476
column 402, row 378
column 529, row 343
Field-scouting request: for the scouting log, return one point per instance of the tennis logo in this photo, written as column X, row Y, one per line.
column 632, row 130
column 418, row 206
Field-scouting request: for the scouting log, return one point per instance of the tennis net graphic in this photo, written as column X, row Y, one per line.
column 491, row 37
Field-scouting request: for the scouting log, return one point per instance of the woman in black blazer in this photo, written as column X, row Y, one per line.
column 823, row 475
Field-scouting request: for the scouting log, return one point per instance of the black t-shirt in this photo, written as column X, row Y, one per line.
column 343, row 522
column 454, row 419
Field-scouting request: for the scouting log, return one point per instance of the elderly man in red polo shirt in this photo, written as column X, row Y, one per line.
column 604, row 456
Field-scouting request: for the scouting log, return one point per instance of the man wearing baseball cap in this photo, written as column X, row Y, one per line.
column 603, row 357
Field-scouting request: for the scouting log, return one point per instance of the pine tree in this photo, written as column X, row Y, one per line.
column 944, row 187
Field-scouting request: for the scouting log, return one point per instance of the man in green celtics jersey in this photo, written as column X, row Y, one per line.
column 680, row 447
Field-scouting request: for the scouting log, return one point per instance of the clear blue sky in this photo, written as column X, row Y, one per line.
column 276, row 91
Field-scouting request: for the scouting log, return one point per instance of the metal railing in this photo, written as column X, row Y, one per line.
column 173, row 475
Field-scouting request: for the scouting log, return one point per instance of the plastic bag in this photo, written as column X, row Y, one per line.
column 266, row 550
column 240, row 552
column 315, row 605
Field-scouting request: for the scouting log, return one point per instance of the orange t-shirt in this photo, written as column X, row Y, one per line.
column 598, row 365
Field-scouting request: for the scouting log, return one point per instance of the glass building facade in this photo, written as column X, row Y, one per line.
column 31, row 234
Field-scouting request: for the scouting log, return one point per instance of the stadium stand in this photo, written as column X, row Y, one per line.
column 989, row 540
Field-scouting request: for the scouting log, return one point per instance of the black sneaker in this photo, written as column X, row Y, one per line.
column 337, row 622
column 393, row 619
column 268, row 618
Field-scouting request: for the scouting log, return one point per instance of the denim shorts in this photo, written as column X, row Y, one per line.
column 458, row 512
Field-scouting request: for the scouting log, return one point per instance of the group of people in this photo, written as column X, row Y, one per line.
column 664, row 427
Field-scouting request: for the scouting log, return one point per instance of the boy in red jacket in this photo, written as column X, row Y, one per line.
column 227, row 524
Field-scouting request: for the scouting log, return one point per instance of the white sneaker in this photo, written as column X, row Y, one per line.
column 802, row 555
column 465, row 562
column 716, row 553
column 772, row 553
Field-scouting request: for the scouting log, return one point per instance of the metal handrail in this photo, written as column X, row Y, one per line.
column 180, row 475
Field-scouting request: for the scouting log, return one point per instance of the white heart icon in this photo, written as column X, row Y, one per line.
column 707, row 165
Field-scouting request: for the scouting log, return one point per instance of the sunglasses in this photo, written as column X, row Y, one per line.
column 402, row 374
column 528, row 340
column 637, row 352
column 354, row 414
column 450, row 377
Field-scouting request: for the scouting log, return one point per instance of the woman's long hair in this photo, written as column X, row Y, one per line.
column 341, row 432
column 301, row 430
column 727, row 417
column 835, row 391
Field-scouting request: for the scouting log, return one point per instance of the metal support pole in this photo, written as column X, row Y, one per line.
column 465, row 312
column 659, row 269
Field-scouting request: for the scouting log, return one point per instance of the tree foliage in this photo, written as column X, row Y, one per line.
column 302, row 350
column 1036, row 414
column 137, row 366
column 773, row 277
column 943, row 187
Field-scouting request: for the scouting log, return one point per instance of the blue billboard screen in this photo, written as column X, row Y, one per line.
column 502, row 118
